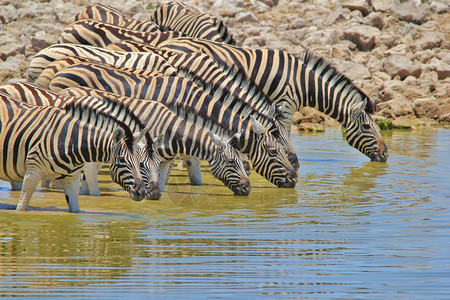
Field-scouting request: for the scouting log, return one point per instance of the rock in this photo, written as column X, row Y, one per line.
column 439, row 7
column 374, row 19
column 321, row 37
column 363, row 36
column 255, row 41
column 8, row 13
column 426, row 108
column 445, row 118
column 395, row 108
column 360, row 5
column 440, row 67
column 410, row 12
column 352, row 70
column 228, row 8
column 42, row 40
column 382, row 5
column 405, row 123
column 401, row 65
column 270, row 3
column 8, row 70
column 245, row 17
column 11, row 50
column 430, row 40
column 297, row 23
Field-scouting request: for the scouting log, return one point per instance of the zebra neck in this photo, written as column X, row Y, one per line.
column 96, row 145
column 320, row 86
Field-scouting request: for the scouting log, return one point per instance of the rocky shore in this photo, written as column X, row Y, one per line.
column 397, row 51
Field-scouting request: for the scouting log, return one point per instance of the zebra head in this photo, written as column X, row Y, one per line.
column 149, row 163
column 269, row 157
column 228, row 166
column 125, row 163
column 362, row 133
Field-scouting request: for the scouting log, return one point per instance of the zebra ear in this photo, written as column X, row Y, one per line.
column 235, row 140
column 118, row 134
column 357, row 109
column 257, row 127
column 273, row 111
column 159, row 141
column 138, row 137
column 216, row 139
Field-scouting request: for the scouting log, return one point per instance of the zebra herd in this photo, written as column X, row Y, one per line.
column 135, row 94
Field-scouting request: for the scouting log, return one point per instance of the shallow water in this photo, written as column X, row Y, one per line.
column 350, row 229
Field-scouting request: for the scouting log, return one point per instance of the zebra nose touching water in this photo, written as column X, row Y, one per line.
column 48, row 143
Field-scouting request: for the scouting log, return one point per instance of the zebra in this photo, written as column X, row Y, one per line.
column 267, row 155
column 101, row 34
column 146, row 61
column 222, row 81
column 178, row 16
column 222, row 93
column 54, row 67
column 111, row 15
column 299, row 82
column 184, row 137
column 35, row 95
column 41, row 142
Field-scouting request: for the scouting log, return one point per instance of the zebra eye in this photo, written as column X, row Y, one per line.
column 272, row 151
column 142, row 165
column 231, row 161
column 122, row 160
column 365, row 127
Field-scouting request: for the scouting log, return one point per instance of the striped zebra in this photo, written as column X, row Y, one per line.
column 147, row 61
column 101, row 34
column 267, row 155
column 111, row 15
column 309, row 81
column 225, row 87
column 180, row 136
column 40, row 142
column 224, row 83
column 185, row 134
column 35, row 95
column 178, row 16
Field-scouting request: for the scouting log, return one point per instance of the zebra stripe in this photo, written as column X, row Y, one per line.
column 183, row 137
column 101, row 34
column 309, row 81
column 98, row 114
column 42, row 142
column 147, row 61
column 111, row 15
column 178, row 16
column 227, row 85
column 267, row 155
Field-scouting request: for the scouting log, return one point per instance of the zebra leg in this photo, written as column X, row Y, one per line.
column 71, row 186
column 192, row 165
column 89, row 184
column 16, row 186
column 30, row 182
column 163, row 174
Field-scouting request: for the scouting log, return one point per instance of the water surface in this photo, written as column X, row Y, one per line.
column 351, row 228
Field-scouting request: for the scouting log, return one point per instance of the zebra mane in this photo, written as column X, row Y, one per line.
column 201, row 119
column 252, row 90
column 330, row 73
column 101, row 113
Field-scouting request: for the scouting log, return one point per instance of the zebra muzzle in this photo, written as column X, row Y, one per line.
column 243, row 188
column 153, row 192
column 137, row 191
column 290, row 180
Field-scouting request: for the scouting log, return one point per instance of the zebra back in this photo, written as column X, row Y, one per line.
column 182, row 136
column 309, row 81
column 111, row 15
column 146, row 61
column 101, row 34
column 256, row 141
column 178, row 16
column 229, row 86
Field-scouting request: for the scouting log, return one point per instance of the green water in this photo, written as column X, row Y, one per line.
column 350, row 229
